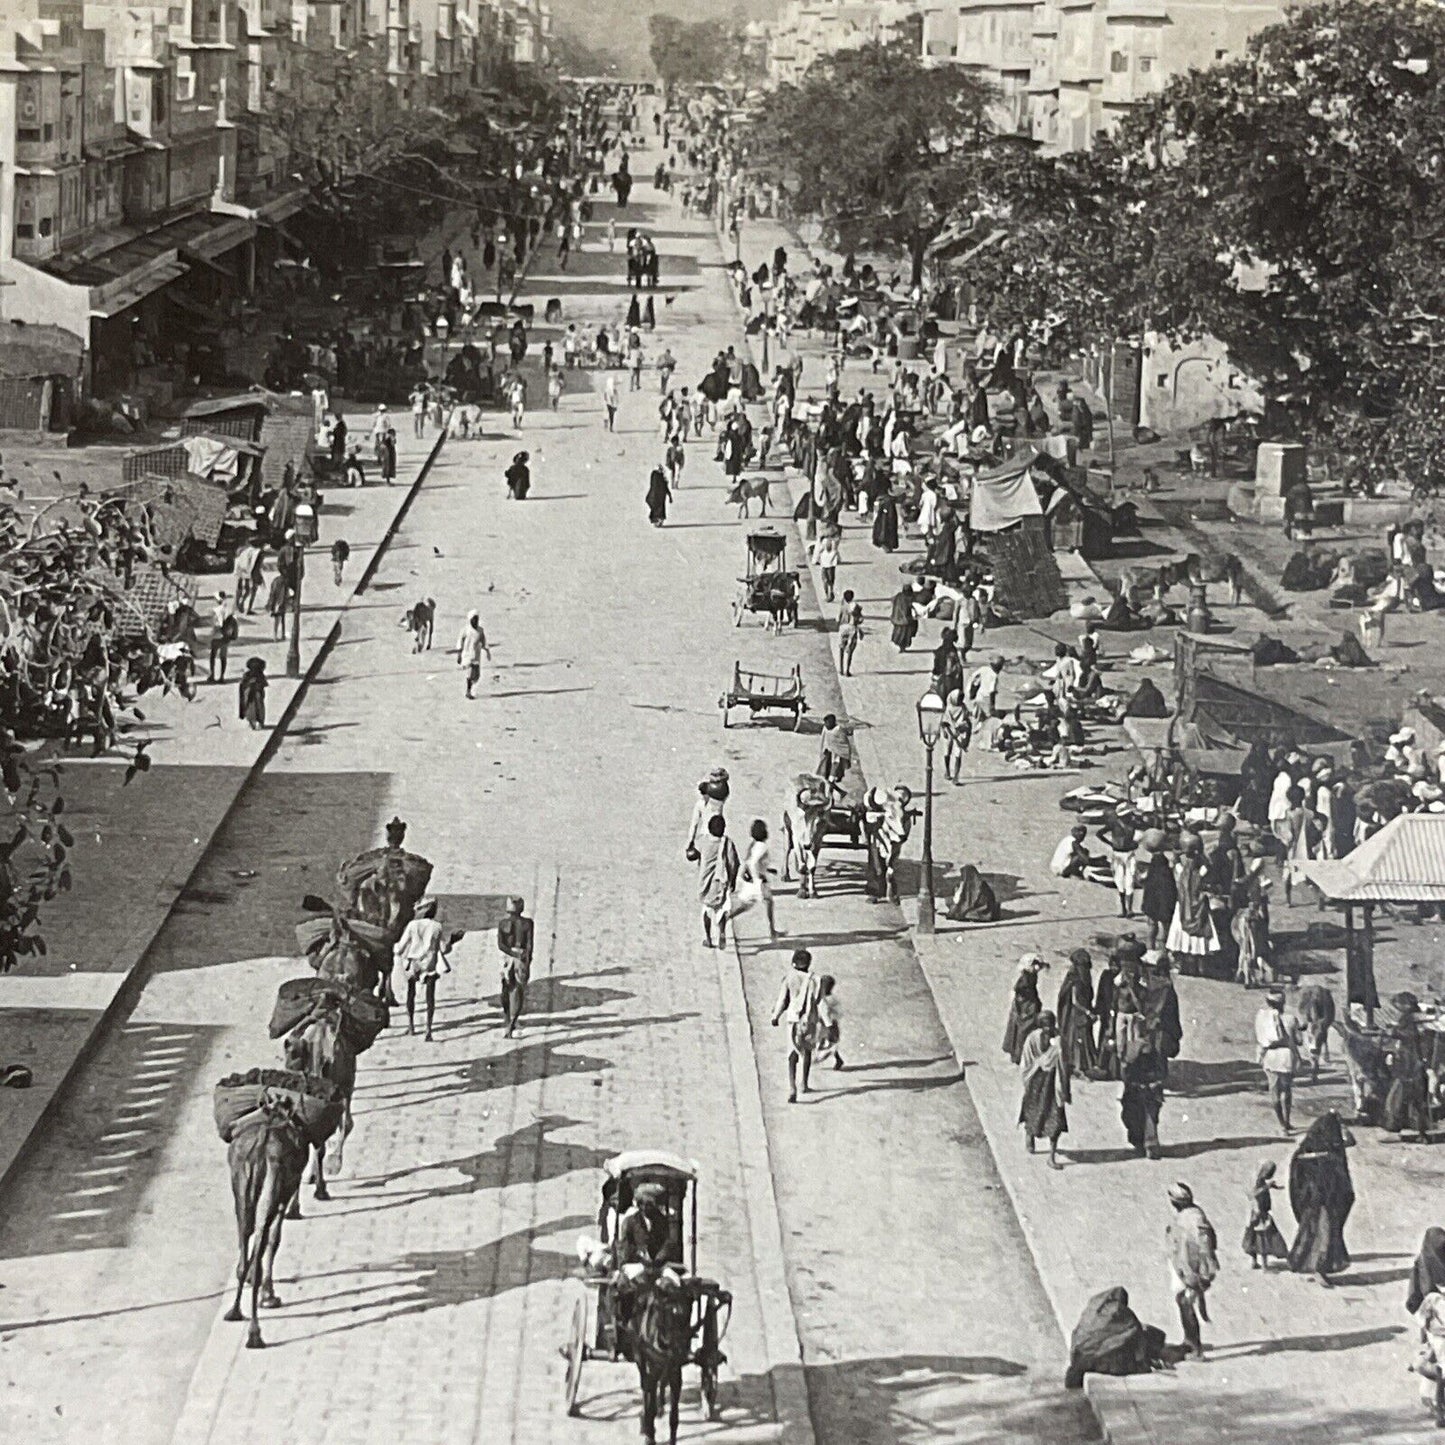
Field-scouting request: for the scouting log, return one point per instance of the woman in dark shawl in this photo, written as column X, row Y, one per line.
column 1427, row 1275
column 1256, row 778
column 885, row 522
column 903, row 618
column 1110, row 1339
column 659, row 494
column 1076, row 1013
column 1321, row 1195
column 973, row 900
column 1407, row 1101
column 1191, row 933
column 1158, row 895
column 1026, row 1007
column 1045, row 1076
column 634, row 312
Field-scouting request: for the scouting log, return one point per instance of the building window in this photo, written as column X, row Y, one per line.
column 1146, row 64
column 24, row 231
column 47, row 225
column 29, row 133
column 1119, row 62
column 1221, row 54
column 49, row 131
column 1162, row 381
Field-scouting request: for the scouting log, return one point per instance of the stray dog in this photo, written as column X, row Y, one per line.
column 420, row 621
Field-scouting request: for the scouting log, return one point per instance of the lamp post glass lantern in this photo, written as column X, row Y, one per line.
column 930, row 729
column 305, row 532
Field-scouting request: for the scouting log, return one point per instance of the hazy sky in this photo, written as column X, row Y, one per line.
column 618, row 28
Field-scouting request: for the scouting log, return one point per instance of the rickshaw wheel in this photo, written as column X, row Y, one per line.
column 798, row 720
column 709, row 1361
column 576, row 1353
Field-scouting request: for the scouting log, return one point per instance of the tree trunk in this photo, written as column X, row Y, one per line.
column 918, row 251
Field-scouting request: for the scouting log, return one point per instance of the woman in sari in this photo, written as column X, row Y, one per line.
column 1076, row 1013
column 1045, row 1078
column 1158, row 896
column 903, row 618
column 973, row 900
column 885, row 522
column 1321, row 1195
column 1110, row 1339
column 659, row 494
column 1026, row 1007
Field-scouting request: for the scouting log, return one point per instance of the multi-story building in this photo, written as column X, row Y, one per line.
column 146, row 161
column 807, row 30
column 1067, row 69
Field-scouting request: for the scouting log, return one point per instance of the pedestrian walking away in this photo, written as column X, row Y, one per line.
column 514, row 954
column 609, row 400
column 798, row 1002
column 850, row 629
column 422, row 953
column 757, row 875
column 340, row 553
column 659, row 494
column 718, row 867
column 224, row 630
column 471, row 648
column 1193, row 1263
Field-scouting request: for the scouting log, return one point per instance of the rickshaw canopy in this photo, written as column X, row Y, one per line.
column 656, row 1165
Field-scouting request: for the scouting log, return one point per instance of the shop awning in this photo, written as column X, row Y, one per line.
column 1403, row 863
column 128, row 296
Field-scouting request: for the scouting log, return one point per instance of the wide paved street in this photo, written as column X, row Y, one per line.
column 868, row 1229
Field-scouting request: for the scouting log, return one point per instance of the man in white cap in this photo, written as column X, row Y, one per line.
column 422, row 953
column 1193, row 1262
column 380, row 425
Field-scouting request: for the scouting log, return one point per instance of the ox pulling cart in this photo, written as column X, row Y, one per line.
column 710, row 1305
column 768, row 587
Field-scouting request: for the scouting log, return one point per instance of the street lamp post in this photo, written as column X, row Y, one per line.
column 304, row 525
column 930, row 727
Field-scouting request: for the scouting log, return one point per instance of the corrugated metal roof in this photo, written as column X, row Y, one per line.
column 1403, row 863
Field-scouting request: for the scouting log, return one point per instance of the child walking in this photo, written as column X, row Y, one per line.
column 850, row 629
column 830, row 1022
column 1262, row 1239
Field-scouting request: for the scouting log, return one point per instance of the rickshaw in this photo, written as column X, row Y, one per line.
column 768, row 586
column 677, row 1177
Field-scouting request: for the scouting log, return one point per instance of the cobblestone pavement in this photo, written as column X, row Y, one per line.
column 428, row 1300
column 1289, row 1361
column 137, row 846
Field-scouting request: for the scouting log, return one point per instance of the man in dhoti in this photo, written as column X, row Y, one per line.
column 514, row 954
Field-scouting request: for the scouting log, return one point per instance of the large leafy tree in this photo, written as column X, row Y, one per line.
column 700, row 52
column 879, row 148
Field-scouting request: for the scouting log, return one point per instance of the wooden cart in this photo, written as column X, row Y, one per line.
column 759, row 691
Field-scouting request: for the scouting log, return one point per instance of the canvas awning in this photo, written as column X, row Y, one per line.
column 124, row 299
column 1403, row 863
column 1004, row 496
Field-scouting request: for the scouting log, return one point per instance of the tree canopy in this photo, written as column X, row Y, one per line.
column 700, row 52
column 877, row 146
column 1288, row 203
